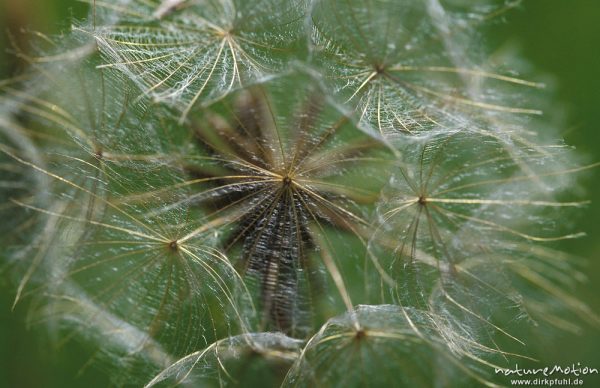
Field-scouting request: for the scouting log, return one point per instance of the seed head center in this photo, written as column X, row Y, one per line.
column 360, row 334
column 174, row 246
column 287, row 181
column 379, row 68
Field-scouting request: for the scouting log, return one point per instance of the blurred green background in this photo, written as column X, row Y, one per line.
column 559, row 37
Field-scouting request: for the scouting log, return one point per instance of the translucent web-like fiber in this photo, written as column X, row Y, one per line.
column 253, row 358
column 391, row 339
column 199, row 51
column 399, row 65
column 454, row 219
column 103, row 263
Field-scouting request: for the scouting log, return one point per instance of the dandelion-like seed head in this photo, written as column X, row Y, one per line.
column 286, row 192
